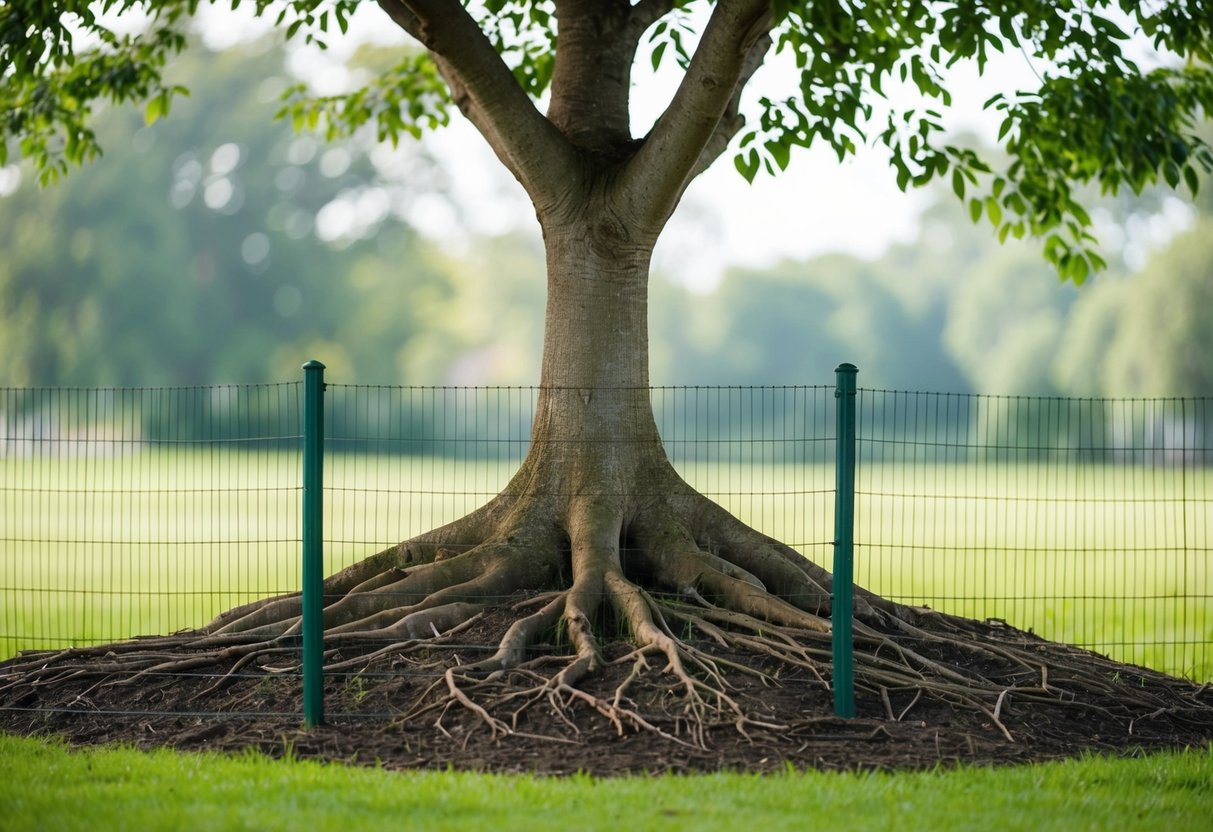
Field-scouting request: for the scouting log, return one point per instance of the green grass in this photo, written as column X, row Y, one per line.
column 47, row 786
column 1116, row 557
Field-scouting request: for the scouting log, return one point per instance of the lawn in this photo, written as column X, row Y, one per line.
column 1116, row 557
column 48, row 786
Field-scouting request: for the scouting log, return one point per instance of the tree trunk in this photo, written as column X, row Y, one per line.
column 594, row 431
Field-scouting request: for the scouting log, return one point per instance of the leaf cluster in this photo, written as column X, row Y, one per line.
column 673, row 34
column 64, row 61
column 524, row 34
column 1097, row 116
column 51, row 87
column 409, row 98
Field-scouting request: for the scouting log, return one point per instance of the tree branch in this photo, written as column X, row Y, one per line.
column 486, row 92
column 696, row 126
column 732, row 121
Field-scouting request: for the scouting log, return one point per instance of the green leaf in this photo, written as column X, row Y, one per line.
column 903, row 178
column 780, row 152
column 975, row 208
column 658, row 52
column 994, row 210
column 748, row 164
column 154, row 110
column 1108, row 28
column 1080, row 269
column 1170, row 172
column 1007, row 28
column 1190, row 178
column 958, row 183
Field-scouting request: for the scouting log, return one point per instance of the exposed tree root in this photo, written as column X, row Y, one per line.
column 702, row 599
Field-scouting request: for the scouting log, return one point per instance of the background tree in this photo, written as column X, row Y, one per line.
column 195, row 253
column 596, row 481
column 484, row 324
column 1151, row 335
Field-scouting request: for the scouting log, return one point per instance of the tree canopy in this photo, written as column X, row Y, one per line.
column 1121, row 88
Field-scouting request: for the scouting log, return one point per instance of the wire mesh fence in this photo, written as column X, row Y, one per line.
column 138, row 511
column 1084, row 520
column 402, row 461
column 145, row 511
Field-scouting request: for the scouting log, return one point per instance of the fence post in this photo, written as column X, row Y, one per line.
column 842, row 608
column 313, row 542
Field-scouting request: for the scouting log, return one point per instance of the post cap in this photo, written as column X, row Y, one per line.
column 313, row 365
column 846, row 368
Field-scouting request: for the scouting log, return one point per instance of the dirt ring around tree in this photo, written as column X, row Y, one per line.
column 377, row 713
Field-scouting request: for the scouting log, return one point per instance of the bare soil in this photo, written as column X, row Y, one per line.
column 394, row 711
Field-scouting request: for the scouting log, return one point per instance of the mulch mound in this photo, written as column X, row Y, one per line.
column 373, row 717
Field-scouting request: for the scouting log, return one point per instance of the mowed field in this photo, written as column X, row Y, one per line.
column 96, row 548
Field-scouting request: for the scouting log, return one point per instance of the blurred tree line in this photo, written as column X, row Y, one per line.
column 220, row 247
column 956, row 311
column 216, row 247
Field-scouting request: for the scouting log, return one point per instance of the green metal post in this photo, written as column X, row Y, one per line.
column 842, row 609
column 313, row 537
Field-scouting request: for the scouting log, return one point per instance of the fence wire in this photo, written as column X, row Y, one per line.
column 1086, row 521
column 143, row 511
column 147, row 511
column 402, row 461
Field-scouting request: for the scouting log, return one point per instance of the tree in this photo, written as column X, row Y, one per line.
column 760, row 325
column 1150, row 335
column 175, row 273
column 596, row 481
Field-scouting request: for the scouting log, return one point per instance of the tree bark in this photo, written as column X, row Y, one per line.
column 595, row 369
